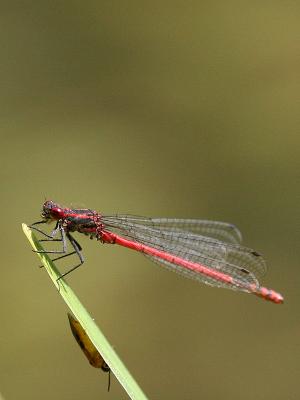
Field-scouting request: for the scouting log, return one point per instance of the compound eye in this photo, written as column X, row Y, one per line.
column 47, row 209
column 48, row 205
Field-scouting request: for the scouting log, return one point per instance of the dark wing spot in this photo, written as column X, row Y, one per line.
column 244, row 270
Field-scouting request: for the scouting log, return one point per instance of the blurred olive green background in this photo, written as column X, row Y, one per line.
column 179, row 109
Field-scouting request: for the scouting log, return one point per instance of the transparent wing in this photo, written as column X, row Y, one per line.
column 212, row 244
column 219, row 230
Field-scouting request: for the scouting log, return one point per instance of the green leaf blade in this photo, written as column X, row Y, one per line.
column 86, row 321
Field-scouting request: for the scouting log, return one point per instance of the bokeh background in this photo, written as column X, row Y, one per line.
column 179, row 109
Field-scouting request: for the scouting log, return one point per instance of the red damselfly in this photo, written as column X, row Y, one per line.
column 208, row 251
column 88, row 347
